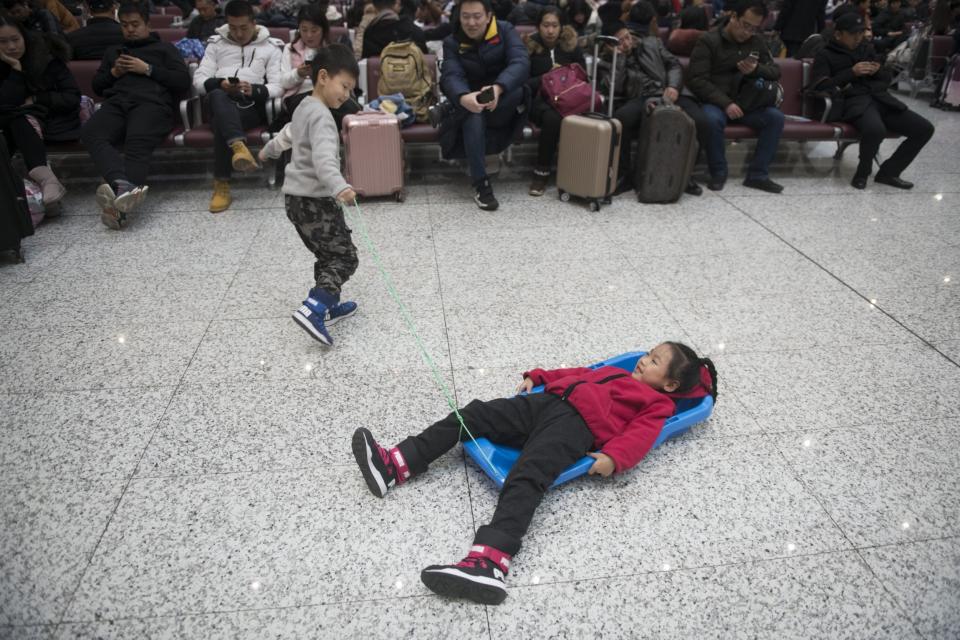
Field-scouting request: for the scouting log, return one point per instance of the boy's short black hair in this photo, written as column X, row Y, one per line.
column 384, row 4
column 239, row 9
column 129, row 8
column 335, row 59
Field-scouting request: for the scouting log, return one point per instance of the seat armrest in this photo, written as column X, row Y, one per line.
column 185, row 109
column 821, row 95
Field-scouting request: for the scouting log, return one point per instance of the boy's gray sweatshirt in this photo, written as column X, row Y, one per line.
column 314, row 169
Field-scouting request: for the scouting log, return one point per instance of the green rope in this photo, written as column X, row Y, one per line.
column 412, row 327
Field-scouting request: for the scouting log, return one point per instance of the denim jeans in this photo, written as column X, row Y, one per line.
column 475, row 130
column 767, row 122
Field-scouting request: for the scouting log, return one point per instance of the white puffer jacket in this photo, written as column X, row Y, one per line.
column 257, row 62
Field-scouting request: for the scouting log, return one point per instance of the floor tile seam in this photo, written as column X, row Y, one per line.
column 855, row 341
column 809, row 491
column 857, row 426
column 909, row 543
column 456, row 396
column 848, row 285
column 689, row 569
column 628, row 259
column 346, row 465
column 890, row 595
column 132, row 475
column 241, row 610
column 5, row 392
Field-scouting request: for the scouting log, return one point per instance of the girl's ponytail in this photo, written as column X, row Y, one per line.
column 712, row 370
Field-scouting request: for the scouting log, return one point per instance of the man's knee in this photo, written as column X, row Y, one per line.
column 924, row 130
column 714, row 119
column 774, row 118
column 873, row 132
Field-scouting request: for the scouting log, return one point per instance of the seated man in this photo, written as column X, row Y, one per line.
column 207, row 20
column 484, row 58
column 388, row 26
column 239, row 73
column 646, row 74
column 890, row 27
column 101, row 33
column 141, row 81
column 847, row 69
column 722, row 64
column 32, row 18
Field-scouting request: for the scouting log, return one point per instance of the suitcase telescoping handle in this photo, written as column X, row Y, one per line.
column 612, row 40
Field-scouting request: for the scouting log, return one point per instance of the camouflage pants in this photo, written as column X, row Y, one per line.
column 321, row 226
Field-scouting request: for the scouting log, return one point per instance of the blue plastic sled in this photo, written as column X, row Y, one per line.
column 690, row 411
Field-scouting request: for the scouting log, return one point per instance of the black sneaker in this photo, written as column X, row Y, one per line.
column 476, row 578
column 485, row 198
column 376, row 463
column 716, row 183
column 438, row 113
column 766, row 184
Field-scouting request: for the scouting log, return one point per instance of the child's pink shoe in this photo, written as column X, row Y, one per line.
column 478, row 577
column 380, row 468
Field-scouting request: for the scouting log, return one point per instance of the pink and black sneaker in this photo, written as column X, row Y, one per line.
column 380, row 468
column 478, row 577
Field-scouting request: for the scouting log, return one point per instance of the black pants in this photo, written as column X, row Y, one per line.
column 630, row 115
column 692, row 108
column 138, row 128
column 874, row 124
column 551, row 434
column 549, row 120
column 20, row 135
column 230, row 120
column 324, row 231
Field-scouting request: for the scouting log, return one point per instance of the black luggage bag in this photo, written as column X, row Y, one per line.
column 15, row 222
column 666, row 153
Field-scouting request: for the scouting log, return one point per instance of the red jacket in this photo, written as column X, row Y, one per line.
column 624, row 414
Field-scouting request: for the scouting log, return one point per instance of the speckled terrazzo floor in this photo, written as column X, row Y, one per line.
column 174, row 451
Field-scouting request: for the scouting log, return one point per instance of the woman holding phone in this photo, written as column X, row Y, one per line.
column 847, row 68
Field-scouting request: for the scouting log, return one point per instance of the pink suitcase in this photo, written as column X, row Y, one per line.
column 374, row 154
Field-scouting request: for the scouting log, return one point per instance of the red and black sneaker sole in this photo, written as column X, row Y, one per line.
column 363, row 444
column 460, row 586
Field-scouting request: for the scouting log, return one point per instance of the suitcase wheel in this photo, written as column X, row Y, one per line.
column 564, row 196
column 400, row 195
column 594, row 205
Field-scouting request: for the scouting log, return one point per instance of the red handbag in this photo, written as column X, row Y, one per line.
column 566, row 89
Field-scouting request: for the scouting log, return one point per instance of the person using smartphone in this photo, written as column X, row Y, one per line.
column 720, row 62
column 846, row 68
column 485, row 70
column 141, row 81
column 245, row 50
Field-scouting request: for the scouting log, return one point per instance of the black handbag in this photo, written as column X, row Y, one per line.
column 757, row 93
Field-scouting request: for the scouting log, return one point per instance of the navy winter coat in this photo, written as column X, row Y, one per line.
column 501, row 58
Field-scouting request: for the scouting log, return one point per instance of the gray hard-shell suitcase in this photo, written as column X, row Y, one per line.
column 666, row 154
column 590, row 147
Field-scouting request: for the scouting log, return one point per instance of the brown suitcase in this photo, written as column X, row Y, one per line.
column 590, row 147
column 374, row 154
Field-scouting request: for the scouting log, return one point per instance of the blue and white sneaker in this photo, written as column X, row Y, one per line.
column 340, row 311
column 312, row 320
column 320, row 301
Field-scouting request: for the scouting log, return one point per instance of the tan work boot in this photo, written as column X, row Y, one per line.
column 109, row 215
column 242, row 159
column 221, row 196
